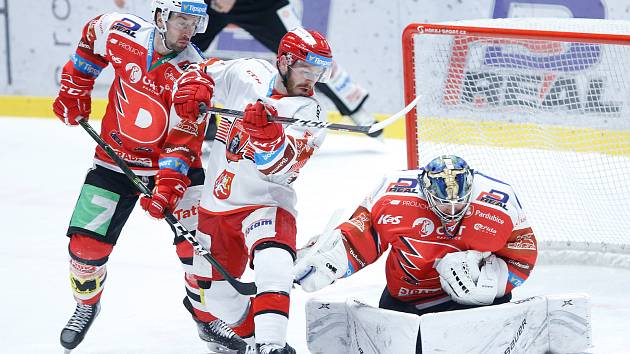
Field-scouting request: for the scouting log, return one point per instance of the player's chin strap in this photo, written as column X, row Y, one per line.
column 366, row 129
column 180, row 230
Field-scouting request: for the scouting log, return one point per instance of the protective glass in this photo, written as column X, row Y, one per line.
column 183, row 22
column 315, row 73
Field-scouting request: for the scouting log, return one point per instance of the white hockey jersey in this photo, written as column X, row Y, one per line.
column 239, row 176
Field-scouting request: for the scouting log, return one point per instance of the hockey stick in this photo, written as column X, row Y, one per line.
column 180, row 230
column 366, row 129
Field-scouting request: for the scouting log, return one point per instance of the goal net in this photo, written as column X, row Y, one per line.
column 542, row 104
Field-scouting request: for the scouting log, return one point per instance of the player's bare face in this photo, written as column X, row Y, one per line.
column 302, row 77
column 179, row 30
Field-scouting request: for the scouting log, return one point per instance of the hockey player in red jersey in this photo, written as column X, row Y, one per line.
column 247, row 211
column 147, row 59
column 458, row 239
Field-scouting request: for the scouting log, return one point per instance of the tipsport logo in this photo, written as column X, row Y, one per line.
column 490, row 73
column 194, row 8
column 318, row 60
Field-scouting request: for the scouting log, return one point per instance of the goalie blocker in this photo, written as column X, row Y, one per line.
column 539, row 324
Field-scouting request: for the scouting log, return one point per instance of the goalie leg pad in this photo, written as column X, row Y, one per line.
column 526, row 326
column 541, row 324
column 340, row 327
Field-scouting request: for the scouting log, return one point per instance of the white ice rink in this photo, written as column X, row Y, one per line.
column 43, row 166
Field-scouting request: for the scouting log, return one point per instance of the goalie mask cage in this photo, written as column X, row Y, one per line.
column 542, row 104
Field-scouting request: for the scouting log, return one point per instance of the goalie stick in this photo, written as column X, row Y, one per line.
column 367, row 129
column 180, row 230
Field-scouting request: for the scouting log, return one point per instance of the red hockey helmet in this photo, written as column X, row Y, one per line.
column 310, row 47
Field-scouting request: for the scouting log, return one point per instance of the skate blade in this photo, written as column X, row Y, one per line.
column 219, row 349
column 67, row 351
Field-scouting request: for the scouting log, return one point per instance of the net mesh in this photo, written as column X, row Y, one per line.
column 548, row 116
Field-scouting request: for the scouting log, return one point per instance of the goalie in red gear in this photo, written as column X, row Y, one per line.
column 147, row 58
column 458, row 239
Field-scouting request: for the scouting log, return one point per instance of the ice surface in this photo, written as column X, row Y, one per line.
column 43, row 166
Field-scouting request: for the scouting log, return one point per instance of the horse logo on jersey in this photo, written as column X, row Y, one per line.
column 223, row 185
column 236, row 142
column 425, row 226
column 135, row 73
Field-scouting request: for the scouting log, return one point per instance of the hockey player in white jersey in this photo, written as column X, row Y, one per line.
column 247, row 211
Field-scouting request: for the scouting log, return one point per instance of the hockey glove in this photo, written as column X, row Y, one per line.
column 169, row 189
column 74, row 99
column 264, row 135
column 193, row 88
column 322, row 262
column 471, row 277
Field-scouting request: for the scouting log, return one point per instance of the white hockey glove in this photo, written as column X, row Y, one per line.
column 472, row 277
column 321, row 262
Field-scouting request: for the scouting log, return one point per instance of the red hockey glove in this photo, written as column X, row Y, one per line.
column 169, row 189
column 74, row 99
column 193, row 88
column 263, row 133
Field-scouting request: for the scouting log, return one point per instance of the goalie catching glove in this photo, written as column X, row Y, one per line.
column 170, row 186
column 472, row 277
column 321, row 262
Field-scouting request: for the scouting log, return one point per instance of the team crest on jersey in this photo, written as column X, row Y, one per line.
column 134, row 71
column 236, row 142
column 523, row 242
column 223, row 185
column 494, row 197
column 425, row 226
column 360, row 221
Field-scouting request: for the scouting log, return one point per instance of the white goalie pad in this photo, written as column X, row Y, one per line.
column 354, row 327
column 540, row 324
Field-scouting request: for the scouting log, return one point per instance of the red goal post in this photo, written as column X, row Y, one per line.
column 543, row 104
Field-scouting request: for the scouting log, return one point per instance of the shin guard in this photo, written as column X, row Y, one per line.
column 87, row 268
column 271, row 305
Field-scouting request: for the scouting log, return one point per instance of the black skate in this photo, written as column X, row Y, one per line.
column 76, row 328
column 220, row 338
column 270, row 349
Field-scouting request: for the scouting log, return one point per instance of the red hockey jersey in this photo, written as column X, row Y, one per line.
column 396, row 215
column 136, row 123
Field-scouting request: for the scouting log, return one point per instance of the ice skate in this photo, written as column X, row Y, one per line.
column 78, row 325
column 220, row 338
